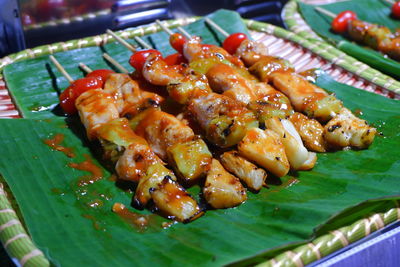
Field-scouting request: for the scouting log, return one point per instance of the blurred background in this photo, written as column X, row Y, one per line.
column 29, row 23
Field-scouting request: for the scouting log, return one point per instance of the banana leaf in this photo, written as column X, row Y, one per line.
column 73, row 224
column 372, row 11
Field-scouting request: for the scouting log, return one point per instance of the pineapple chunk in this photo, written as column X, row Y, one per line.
column 253, row 176
column 296, row 153
column 155, row 174
column 191, row 160
column 222, row 189
column 266, row 149
column 310, row 130
column 173, row 201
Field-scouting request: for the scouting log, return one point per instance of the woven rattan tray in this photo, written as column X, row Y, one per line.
column 303, row 54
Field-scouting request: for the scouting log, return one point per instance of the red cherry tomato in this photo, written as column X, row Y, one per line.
column 27, row 19
column 339, row 24
column 177, row 41
column 175, row 59
column 396, row 10
column 66, row 102
column 233, row 41
column 101, row 74
column 46, row 9
column 84, row 84
column 138, row 59
column 78, row 87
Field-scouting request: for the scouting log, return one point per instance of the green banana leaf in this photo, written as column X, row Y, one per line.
column 74, row 224
column 373, row 11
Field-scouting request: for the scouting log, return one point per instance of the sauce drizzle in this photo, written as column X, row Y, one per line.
column 89, row 166
column 55, row 142
column 137, row 220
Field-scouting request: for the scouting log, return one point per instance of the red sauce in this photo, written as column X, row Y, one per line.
column 96, row 224
column 113, row 178
column 288, row 183
column 55, row 142
column 137, row 220
column 57, row 191
column 89, row 166
column 358, row 112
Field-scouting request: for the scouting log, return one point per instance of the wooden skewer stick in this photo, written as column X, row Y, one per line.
column 115, row 63
column 185, row 33
column 216, row 27
column 122, row 41
column 142, row 42
column 61, row 69
column 166, row 29
column 325, row 12
column 389, row 2
column 85, row 67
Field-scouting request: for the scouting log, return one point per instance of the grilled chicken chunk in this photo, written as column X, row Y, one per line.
column 95, row 107
column 128, row 95
column 191, row 160
column 346, row 130
column 222, row 189
column 266, row 149
column 253, row 176
column 194, row 50
column 162, row 130
column 224, row 79
column 182, row 83
column 224, row 120
column 267, row 65
column 307, row 97
column 250, row 52
column 173, row 140
column 154, row 175
column 172, row 199
column 296, row 153
column 311, row 132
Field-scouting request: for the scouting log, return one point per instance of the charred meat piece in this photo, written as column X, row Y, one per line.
column 222, row 189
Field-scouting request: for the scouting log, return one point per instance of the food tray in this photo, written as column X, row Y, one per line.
column 303, row 54
column 67, row 21
column 295, row 23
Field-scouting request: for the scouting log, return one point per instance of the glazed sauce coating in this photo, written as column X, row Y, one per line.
column 96, row 173
column 55, row 142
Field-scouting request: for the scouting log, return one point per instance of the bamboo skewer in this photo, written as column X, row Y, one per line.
column 185, row 33
column 122, row 41
column 216, row 27
column 389, row 2
column 115, row 63
column 142, row 43
column 166, row 29
column 325, row 12
column 61, row 69
column 85, row 67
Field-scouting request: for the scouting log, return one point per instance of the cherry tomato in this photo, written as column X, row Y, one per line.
column 233, row 41
column 339, row 24
column 66, row 102
column 69, row 95
column 84, row 84
column 396, row 10
column 27, row 19
column 138, row 59
column 177, row 41
column 175, row 59
column 46, row 9
column 101, row 74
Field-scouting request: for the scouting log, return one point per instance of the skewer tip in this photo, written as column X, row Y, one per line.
column 325, row 12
